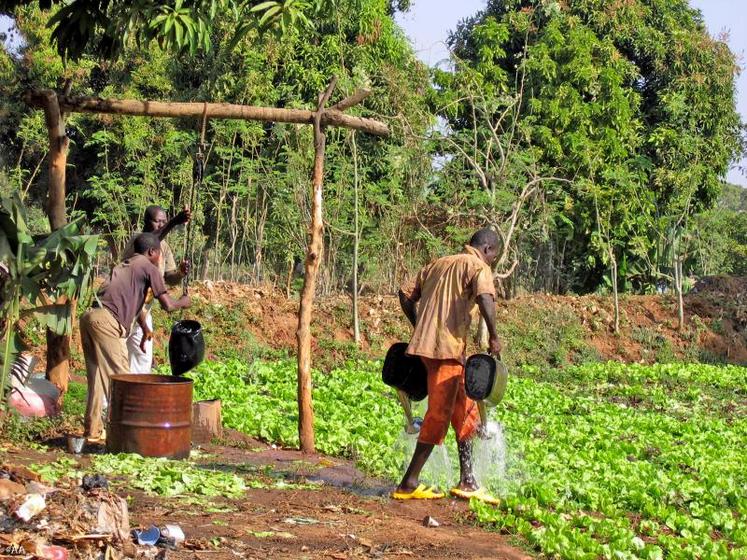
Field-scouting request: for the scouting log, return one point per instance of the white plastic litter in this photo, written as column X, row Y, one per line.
column 33, row 505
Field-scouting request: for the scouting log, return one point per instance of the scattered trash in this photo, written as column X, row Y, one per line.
column 53, row 552
column 33, row 505
column 17, row 473
column 333, row 508
column 35, row 397
column 91, row 481
column 429, row 521
column 300, row 521
column 22, row 369
column 147, row 536
column 107, row 514
column 50, row 522
column 8, row 488
column 75, row 444
column 173, row 532
column 35, row 487
column 167, row 537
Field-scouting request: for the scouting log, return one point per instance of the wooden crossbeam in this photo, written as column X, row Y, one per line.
column 330, row 117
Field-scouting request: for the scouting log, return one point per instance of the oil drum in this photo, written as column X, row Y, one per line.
column 150, row 415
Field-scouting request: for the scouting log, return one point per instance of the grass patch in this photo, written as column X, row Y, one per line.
column 545, row 338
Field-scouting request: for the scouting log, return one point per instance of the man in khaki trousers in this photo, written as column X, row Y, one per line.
column 105, row 327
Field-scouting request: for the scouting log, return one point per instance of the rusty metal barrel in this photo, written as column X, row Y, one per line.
column 150, row 415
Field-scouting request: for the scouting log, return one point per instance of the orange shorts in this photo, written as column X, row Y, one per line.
column 447, row 403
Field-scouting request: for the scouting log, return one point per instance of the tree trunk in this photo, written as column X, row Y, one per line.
column 289, row 278
column 259, row 232
column 615, row 294
column 356, row 243
column 234, row 231
column 311, row 265
column 58, row 346
column 678, row 290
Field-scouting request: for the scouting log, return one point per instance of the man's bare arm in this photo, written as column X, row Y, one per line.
column 408, row 307
column 486, row 303
column 181, row 218
column 147, row 332
column 169, row 304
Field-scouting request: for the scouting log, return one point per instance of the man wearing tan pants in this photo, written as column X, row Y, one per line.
column 104, row 328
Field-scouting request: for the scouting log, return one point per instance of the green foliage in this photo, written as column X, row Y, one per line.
column 179, row 25
column 74, row 403
column 631, row 103
column 554, row 339
column 28, row 432
column 170, row 478
column 656, row 346
column 603, row 460
column 717, row 238
column 592, row 134
column 251, row 211
column 355, row 414
column 35, row 274
column 626, row 461
column 64, row 467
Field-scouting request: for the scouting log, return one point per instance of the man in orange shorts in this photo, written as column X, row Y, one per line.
column 447, row 291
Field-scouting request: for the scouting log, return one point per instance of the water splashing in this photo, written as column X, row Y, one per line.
column 489, row 458
column 437, row 471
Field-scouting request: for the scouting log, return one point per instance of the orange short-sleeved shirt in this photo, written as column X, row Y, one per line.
column 446, row 291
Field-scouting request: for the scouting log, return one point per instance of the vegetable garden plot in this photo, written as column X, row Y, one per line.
column 604, row 460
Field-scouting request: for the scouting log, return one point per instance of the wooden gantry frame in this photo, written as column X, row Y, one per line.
column 57, row 107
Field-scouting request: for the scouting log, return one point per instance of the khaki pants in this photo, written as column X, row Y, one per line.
column 105, row 351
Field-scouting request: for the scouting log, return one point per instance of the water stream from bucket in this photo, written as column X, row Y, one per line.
column 489, row 459
column 437, row 471
column 442, row 470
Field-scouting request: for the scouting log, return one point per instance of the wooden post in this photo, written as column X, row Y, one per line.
column 58, row 346
column 311, row 270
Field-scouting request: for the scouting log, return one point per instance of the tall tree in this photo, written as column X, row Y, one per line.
column 609, row 90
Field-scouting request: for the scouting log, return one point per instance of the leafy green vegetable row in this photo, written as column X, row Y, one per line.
column 603, row 461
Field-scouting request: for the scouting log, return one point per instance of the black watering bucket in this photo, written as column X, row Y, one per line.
column 479, row 375
column 186, row 346
column 404, row 372
column 485, row 379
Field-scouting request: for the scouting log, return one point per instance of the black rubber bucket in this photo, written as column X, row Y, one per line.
column 186, row 346
column 405, row 372
column 479, row 376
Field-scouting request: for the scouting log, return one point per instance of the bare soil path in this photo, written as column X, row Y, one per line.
column 320, row 507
